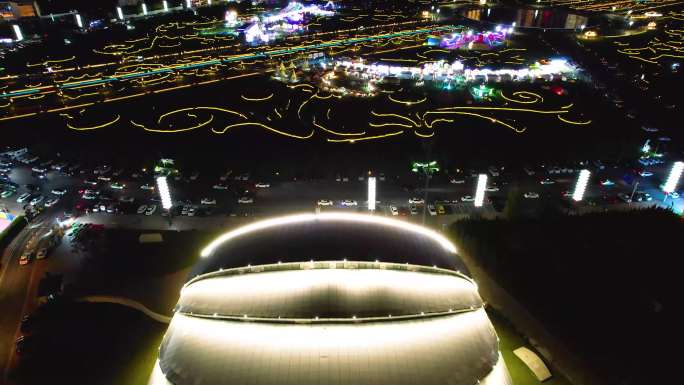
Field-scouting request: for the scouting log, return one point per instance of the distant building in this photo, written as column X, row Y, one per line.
column 13, row 10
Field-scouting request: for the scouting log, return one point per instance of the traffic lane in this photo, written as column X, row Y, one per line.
column 14, row 284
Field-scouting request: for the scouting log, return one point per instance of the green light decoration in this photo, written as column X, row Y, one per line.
column 165, row 167
column 426, row 168
column 482, row 92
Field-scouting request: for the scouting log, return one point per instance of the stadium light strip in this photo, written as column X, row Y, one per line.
column 581, row 185
column 348, row 217
column 673, row 179
column 164, row 192
column 479, row 192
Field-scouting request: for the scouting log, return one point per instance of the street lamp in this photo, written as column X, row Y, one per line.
column 427, row 169
column 165, row 195
column 371, row 193
column 480, row 190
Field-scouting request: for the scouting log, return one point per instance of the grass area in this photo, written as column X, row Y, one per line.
column 120, row 251
column 95, row 344
column 509, row 340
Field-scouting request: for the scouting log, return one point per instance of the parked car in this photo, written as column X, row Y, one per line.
column 431, row 210
column 59, row 191
column 324, row 202
column 394, row 210
column 208, row 201
column 220, row 186
column 349, row 202
column 416, row 201
column 23, row 197
column 25, row 258
column 262, row 185
column 142, row 209
column 151, row 209
column 531, row 195
column 467, row 198
column 51, row 201
column 36, row 200
column 42, row 253
column 246, row 200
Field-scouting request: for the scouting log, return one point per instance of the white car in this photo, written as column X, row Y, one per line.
column 142, row 209
column 246, row 200
column 416, row 201
column 431, row 210
column 348, row 203
column 492, row 188
column 220, row 186
column 607, row 182
column 456, row 180
column 23, row 197
column 324, row 202
column 263, row 185
column 127, row 199
column 51, row 201
column 147, row 186
column 191, row 212
column 89, row 196
column 467, row 198
column 36, row 200
column 59, row 191
column 394, row 210
column 151, row 209
column 531, row 195
column 547, row 181
column 645, row 173
column 117, row 186
column 208, row 201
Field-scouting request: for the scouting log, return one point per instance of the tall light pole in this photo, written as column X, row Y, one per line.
column 17, row 32
column 581, row 185
column 371, row 193
column 671, row 184
column 119, row 12
column 165, row 195
column 480, row 190
column 427, row 169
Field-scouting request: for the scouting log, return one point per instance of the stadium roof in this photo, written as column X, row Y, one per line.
column 333, row 236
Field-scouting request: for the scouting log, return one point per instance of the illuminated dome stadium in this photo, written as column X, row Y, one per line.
column 330, row 299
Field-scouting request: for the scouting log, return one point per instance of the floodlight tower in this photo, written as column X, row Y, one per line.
column 371, row 193
column 480, row 190
column 165, row 195
column 427, row 169
column 581, row 185
column 670, row 185
column 17, row 32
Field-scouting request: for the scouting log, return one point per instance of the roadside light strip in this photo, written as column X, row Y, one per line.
column 324, row 217
column 479, row 192
column 118, row 117
column 581, row 185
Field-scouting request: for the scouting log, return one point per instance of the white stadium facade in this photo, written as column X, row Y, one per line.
column 330, row 299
